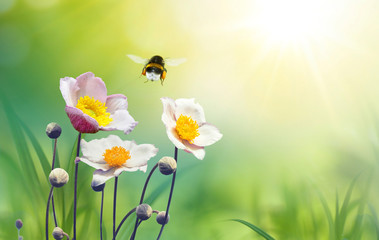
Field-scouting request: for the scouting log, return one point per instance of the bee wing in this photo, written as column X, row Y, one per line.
column 174, row 61
column 137, row 59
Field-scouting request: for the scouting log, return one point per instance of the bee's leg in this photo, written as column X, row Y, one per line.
column 146, row 80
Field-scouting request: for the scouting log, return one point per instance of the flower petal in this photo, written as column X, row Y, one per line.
column 116, row 102
column 121, row 121
column 92, row 86
column 80, row 121
column 140, row 154
column 100, row 177
column 197, row 151
column 94, row 150
column 188, row 107
column 97, row 165
column 209, row 134
column 174, row 138
column 168, row 116
column 124, row 168
column 69, row 89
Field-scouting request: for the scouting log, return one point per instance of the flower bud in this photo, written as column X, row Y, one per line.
column 167, row 165
column 161, row 216
column 20, row 238
column 58, row 233
column 58, row 177
column 19, row 224
column 53, row 130
column 97, row 188
column 144, row 211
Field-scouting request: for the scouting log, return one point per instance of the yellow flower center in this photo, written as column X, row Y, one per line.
column 187, row 128
column 116, row 156
column 95, row 109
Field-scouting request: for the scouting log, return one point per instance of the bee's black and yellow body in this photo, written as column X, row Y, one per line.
column 155, row 67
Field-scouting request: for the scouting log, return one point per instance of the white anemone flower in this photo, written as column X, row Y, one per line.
column 186, row 126
column 111, row 156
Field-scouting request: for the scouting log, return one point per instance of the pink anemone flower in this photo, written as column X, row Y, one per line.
column 186, row 126
column 90, row 109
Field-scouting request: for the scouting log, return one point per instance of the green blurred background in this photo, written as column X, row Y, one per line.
column 292, row 86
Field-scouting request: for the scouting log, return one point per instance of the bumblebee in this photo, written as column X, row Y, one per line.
column 154, row 68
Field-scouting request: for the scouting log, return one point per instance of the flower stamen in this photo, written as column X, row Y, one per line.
column 187, row 128
column 95, row 109
column 116, row 156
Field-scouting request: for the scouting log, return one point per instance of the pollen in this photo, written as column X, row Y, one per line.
column 95, row 109
column 187, row 128
column 116, row 156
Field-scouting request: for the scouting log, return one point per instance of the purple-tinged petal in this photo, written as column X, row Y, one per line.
column 116, row 102
column 100, row 177
column 97, row 165
column 188, row 107
column 121, row 121
column 124, row 168
column 80, row 121
column 69, row 89
column 197, row 151
column 92, row 86
column 209, row 134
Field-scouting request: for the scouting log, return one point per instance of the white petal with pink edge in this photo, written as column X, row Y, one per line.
column 122, row 120
column 140, row 154
column 69, row 89
column 197, row 151
column 209, row 134
column 168, row 116
column 100, row 176
column 116, row 102
column 97, row 165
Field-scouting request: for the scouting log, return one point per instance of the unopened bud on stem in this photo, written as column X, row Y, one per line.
column 53, row 130
column 167, row 165
column 161, row 216
column 58, row 233
column 58, row 177
column 144, row 211
column 19, row 224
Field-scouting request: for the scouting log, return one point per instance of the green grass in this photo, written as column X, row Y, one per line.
column 301, row 211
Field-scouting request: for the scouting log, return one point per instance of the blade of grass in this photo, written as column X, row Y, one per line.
column 374, row 219
column 332, row 234
column 358, row 223
column 23, row 152
column 340, row 222
column 254, row 228
column 45, row 165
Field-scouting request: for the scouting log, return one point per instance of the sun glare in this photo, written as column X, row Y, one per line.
column 291, row 21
